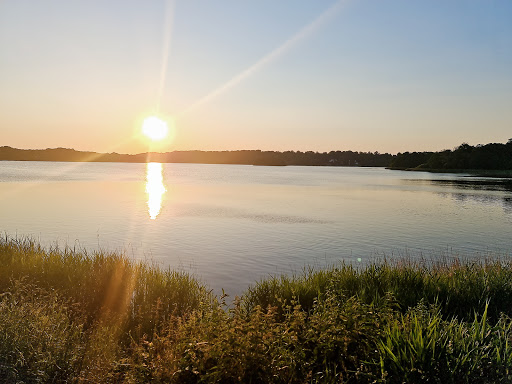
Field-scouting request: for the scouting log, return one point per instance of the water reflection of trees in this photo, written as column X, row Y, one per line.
column 473, row 190
column 478, row 198
column 507, row 205
column 505, row 201
column 472, row 184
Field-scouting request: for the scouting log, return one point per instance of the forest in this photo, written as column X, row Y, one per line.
column 248, row 157
column 492, row 156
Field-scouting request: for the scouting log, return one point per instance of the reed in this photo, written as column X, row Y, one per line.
column 70, row 316
column 102, row 284
column 421, row 347
column 459, row 287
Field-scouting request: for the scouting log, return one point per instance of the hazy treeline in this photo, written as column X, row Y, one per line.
column 257, row 157
column 493, row 156
column 251, row 157
column 465, row 156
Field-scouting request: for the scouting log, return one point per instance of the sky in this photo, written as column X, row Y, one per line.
column 362, row 75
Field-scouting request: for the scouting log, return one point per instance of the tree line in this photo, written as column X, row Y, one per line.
column 249, row 157
column 493, row 156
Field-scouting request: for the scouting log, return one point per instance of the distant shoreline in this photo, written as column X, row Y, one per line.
column 242, row 157
column 489, row 160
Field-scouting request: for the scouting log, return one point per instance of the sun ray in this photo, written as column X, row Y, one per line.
column 267, row 59
column 166, row 49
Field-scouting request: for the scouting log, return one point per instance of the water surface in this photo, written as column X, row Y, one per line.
column 234, row 224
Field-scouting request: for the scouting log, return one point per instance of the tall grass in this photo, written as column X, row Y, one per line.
column 38, row 339
column 459, row 288
column 67, row 316
column 423, row 347
column 100, row 285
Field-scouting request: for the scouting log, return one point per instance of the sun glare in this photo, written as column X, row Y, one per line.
column 154, row 128
column 155, row 188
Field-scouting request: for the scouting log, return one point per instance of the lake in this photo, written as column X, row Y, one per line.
column 232, row 225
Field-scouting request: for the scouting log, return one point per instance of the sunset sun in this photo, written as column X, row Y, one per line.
column 154, row 128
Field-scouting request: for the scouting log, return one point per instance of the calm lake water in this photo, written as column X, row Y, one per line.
column 231, row 225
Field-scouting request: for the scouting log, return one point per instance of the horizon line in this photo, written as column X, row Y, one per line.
column 239, row 150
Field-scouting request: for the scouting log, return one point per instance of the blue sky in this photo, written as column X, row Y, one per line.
column 365, row 75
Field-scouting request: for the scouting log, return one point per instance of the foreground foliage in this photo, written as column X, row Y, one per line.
column 66, row 316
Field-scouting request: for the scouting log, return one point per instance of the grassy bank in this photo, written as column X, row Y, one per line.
column 69, row 316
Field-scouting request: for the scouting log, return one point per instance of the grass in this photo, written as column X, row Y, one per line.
column 103, row 285
column 459, row 288
column 69, row 316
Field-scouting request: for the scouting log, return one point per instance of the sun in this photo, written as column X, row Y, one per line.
column 154, row 128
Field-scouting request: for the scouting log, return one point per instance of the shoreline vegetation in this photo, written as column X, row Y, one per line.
column 490, row 160
column 494, row 173
column 70, row 316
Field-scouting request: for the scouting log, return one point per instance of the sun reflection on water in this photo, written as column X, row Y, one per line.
column 155, row 188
